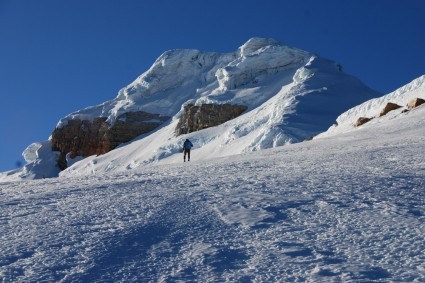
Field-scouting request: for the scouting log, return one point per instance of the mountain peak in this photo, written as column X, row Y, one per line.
column 256, row 43
column 287, row 95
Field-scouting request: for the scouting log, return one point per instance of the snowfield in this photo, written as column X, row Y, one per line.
column 347, row 208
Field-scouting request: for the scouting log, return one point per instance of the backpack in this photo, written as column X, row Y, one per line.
column 187, row 145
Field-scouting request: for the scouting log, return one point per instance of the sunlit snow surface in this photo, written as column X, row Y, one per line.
column 290, row 95
column 350, row 209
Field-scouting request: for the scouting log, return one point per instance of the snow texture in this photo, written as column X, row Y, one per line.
column 41, row 163
column 372, row 108
column 291, row 96
column 347, row 208
column 290, row 106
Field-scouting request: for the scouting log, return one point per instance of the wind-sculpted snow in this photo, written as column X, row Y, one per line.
column 346, row 209
column 259, row 58
column 183, row 75
column 290, row 95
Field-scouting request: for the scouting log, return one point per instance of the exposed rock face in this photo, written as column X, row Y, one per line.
column 415, row 103
column 361, row 121
column 85, row 138
column 389, row 107
column 196, row 118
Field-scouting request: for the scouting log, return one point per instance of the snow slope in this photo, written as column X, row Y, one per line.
column 349, row 208
column 287, row 104
column 372, row 107
column 291, row 96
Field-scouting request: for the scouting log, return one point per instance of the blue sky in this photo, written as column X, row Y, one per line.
column 57, row 56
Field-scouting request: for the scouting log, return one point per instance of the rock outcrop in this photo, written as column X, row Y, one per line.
column 415, row 103
column 196, row 118
column 85, row 138
column 361, row 121
column 389, row 107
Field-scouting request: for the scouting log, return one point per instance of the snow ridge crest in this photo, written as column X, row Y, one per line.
column 290, row 95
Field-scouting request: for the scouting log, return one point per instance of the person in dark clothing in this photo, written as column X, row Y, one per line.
column 186, row 149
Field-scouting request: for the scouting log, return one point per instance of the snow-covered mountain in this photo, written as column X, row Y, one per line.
column 371, row 109
column 245, row 132
column 346, row 208
column 290, row 95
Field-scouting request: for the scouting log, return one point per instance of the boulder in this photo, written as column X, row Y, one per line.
column 361, row 121
column 415, row 103
column 85, row 138
column 389, row 107
column 195, row 118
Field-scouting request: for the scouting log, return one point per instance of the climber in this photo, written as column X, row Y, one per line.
column 186, row 150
